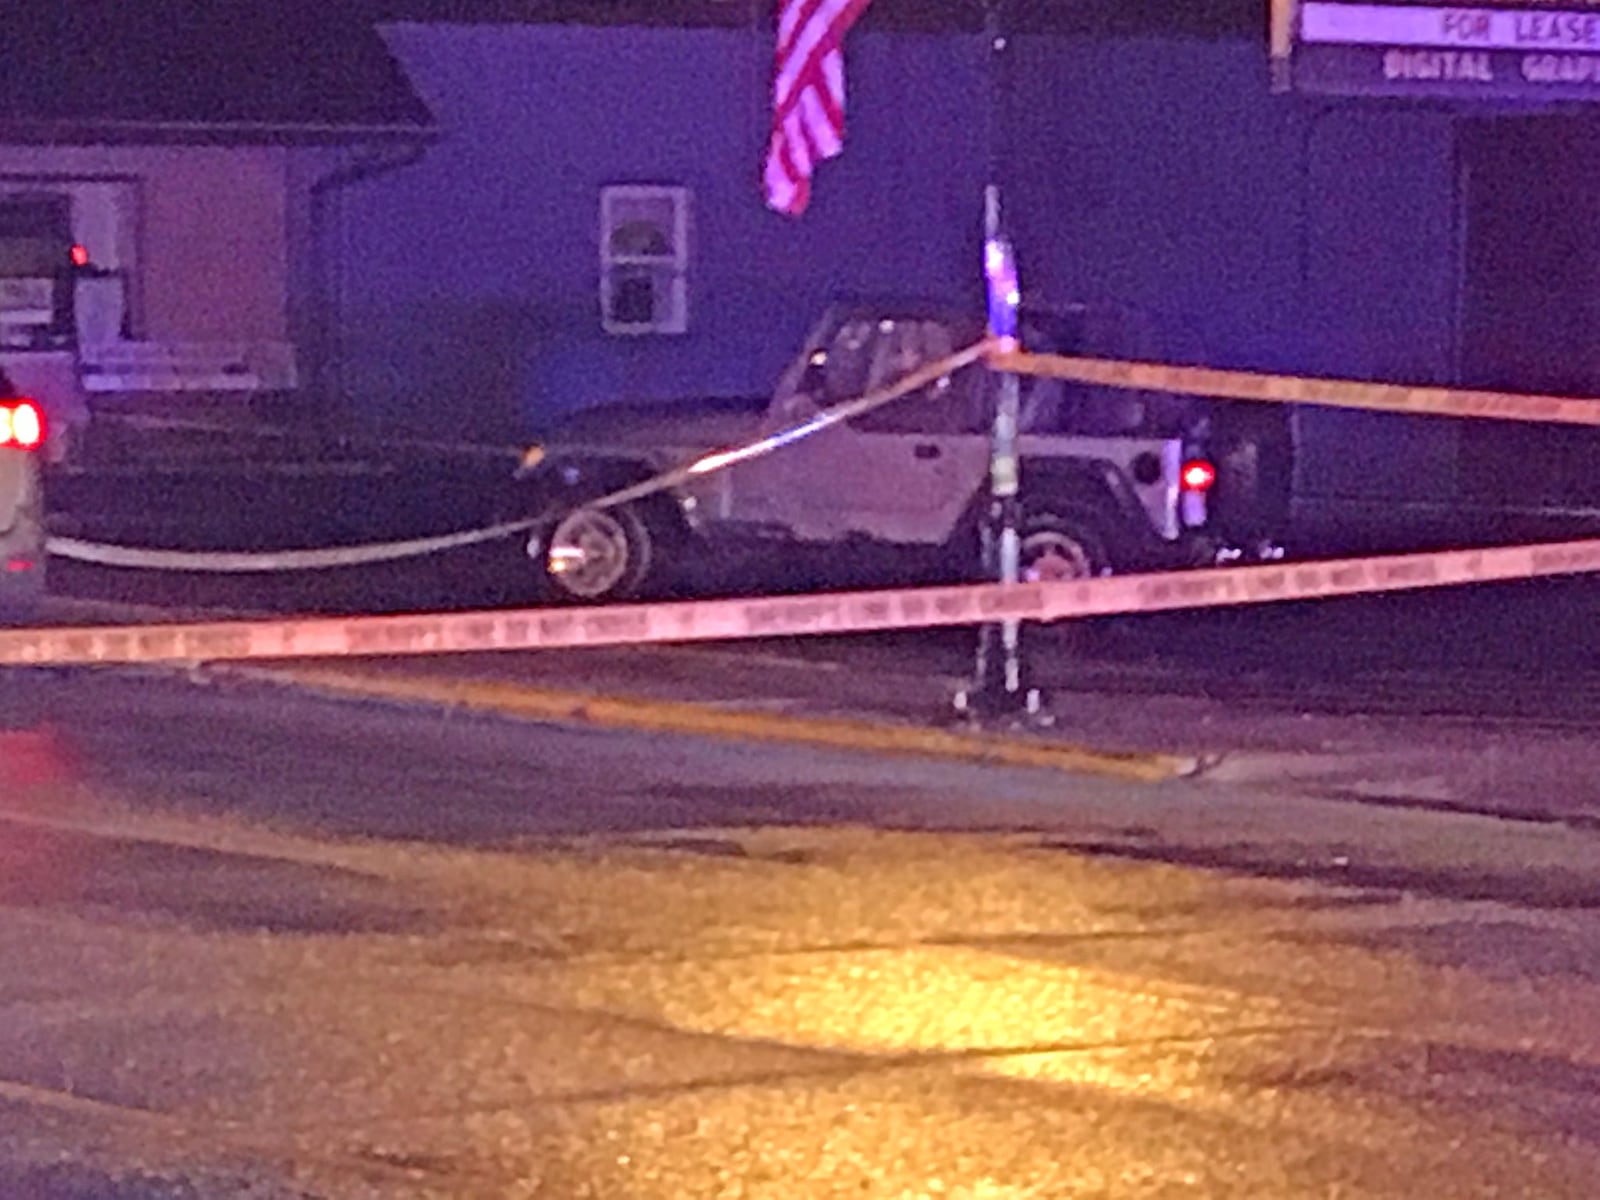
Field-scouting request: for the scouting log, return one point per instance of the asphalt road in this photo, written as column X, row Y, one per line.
column 256, row 944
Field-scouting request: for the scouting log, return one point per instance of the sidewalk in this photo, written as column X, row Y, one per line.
column 1391, row 808
column 1137, row 769
column 1110, row 721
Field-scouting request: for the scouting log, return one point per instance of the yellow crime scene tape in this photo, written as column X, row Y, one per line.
column 841, row 612
column 1302, row 389
column 257, row 562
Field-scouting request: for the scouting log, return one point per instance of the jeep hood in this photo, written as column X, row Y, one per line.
column 675, row 428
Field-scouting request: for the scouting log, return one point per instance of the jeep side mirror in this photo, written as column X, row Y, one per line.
column 814, row 380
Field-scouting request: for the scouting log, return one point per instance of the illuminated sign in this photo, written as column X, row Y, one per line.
column 1508, row 50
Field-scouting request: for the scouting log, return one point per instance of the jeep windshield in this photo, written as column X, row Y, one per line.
column 844, row 358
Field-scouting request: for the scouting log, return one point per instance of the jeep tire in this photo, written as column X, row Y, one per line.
column 1058, row 546
column 592, row 555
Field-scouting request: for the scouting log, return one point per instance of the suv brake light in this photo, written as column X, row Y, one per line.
column 21, row 425
column 1197, row 475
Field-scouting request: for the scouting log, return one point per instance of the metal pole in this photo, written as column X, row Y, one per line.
column 1000, row 688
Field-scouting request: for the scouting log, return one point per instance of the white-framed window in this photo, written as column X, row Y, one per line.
column 644, row 259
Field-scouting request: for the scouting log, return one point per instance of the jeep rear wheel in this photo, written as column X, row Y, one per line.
column 1056, row 548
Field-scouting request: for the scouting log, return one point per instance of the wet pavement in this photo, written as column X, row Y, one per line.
column 257, row 944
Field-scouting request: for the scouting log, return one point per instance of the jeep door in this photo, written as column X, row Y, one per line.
column 903, row 474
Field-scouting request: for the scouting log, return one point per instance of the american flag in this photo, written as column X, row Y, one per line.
column 807, row 96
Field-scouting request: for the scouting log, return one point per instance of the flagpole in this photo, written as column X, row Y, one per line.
column 1000, row 687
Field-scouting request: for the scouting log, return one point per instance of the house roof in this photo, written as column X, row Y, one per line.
column 281, row 70
column 200, row 70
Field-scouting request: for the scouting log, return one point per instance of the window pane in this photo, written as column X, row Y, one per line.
column 35, row 232
column 849, row 361
column 952, row 405
column 1100, row 331
column 637, row 238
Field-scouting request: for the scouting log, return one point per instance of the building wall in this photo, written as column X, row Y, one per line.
column 471, row 280
column 1156, row 172
column 1271, row 235
column 206, row 239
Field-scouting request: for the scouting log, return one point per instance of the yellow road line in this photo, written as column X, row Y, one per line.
column 677, row 716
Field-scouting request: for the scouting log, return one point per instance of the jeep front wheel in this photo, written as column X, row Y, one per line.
column 589, row 555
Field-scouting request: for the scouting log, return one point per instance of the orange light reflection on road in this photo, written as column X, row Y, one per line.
column 986, row 1012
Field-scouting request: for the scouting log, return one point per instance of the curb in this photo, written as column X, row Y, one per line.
column 710, row 720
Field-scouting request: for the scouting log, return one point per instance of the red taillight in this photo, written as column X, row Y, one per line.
column 1197, row 475
column 21, row 425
